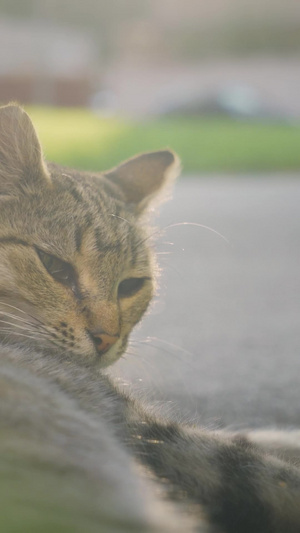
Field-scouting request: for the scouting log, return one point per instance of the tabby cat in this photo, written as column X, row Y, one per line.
column 76, row 454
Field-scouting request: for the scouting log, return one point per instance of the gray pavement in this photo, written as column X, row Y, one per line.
column 222, row 343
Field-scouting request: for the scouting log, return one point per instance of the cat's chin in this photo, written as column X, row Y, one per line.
column 100, row 361
column 112, row 355
column 80, row 357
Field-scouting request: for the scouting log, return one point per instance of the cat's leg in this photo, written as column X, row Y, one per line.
column 241, row 487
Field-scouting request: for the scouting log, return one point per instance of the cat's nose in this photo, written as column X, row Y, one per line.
column 103, row 341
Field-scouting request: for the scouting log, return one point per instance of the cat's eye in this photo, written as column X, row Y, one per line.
column 59, row 269
column 129, row 287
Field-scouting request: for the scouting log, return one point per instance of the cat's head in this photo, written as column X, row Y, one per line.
column 76, row 270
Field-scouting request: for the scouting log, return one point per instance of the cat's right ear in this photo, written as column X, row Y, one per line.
column 22, row 166
column 143, row 177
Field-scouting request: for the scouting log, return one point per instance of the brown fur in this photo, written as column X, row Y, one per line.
column 77, row 454
column 84, row 221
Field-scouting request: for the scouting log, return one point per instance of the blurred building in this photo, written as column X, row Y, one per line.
column 177, row 31
column 153, row 52
column 44, row 63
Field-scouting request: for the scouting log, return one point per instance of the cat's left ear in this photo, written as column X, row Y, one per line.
column 21, row 162
column 143, row 177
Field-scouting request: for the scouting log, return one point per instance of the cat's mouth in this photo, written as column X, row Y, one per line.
column 113, row 354
column 19, row 326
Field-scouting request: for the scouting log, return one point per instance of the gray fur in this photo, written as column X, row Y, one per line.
column 76, row 453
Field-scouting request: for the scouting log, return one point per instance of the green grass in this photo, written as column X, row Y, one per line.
column 78, row 138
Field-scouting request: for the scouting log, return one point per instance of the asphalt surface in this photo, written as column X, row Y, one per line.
column 221, row 345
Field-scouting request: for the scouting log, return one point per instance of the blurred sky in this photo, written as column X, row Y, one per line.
column 136, row 56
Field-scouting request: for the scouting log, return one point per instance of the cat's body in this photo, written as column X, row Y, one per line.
column 77, row 454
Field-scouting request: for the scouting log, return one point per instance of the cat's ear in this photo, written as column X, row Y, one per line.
column 21, row 160
column 144, row 176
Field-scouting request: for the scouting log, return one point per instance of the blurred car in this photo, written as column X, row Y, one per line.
column 234, row 101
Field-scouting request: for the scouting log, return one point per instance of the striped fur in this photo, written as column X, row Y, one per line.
column 77, row 454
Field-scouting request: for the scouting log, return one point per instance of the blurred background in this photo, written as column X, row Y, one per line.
column 219, row 82
column 211, row 78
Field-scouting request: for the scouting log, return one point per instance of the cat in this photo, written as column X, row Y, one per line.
column 77, row 454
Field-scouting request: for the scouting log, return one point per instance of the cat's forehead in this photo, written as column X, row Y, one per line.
column 86, row 187
column 78, row 213
column 91, row 210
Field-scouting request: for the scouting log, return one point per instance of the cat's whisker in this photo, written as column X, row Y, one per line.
column 18, row 334
column 149, row 342
column 30, row 330
column 170, row 266
column 160, row 348
column 35, row 335
column 134, row 354
column 176, row 346
column 139, row 363
column 27, row 322
column 21, row 311
column 12, row 324
column 15, row 317
column 177, row 224
column 13, row 307
column 168, row 242
column 163, row 253
column 196, row 224
column 124, row 219
column 132, row 351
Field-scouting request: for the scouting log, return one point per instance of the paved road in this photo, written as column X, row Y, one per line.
column 228, row 315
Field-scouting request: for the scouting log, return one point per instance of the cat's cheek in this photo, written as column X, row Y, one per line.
column 133, row 308
column 32, row 283
column 7, row 284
